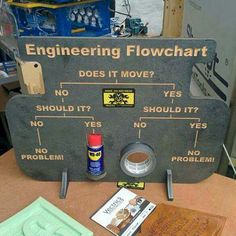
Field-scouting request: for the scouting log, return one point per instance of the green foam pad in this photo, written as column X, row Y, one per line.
column 41, row 218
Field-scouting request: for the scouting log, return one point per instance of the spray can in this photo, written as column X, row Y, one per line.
column 95, row 153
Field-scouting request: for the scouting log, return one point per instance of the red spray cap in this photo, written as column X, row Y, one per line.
column 94, row 140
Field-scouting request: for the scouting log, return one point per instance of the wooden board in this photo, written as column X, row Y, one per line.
column 173, row 18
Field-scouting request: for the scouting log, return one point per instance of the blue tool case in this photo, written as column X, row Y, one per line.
column 62, row 18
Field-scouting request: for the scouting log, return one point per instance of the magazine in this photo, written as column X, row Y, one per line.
column 123, row 213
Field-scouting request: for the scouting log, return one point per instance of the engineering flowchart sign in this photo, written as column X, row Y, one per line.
column 135, row 92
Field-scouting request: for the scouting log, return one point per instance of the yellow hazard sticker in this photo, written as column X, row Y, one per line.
column 132, row 185
column 118, row 97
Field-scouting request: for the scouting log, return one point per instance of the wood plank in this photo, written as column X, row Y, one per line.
column 173, row 18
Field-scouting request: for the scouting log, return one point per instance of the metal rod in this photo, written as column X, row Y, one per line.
column 231, row 163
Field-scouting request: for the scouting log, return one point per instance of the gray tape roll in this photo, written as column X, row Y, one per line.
column 137, row 160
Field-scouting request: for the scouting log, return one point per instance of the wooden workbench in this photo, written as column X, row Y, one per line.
column 216, row 195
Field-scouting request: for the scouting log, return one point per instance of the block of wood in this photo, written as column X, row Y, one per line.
column 169, row 220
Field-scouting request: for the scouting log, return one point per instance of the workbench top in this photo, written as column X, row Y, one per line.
column 215, row 195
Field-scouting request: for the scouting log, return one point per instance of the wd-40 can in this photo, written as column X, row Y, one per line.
column 95, row 152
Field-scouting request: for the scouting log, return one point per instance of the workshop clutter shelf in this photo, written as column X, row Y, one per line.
column 62, row 18
column 7, row 68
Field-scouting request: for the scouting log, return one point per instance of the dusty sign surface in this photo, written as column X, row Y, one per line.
column 131, row 91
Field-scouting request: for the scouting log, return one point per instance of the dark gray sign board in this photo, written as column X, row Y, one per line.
column 130, row 90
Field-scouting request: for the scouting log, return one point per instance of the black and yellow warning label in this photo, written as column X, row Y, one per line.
column 118, row 97
column 132, row 185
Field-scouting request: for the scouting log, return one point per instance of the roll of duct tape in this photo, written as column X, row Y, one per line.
column 138, row 160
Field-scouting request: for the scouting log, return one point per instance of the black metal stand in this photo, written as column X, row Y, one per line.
column 170, row 194
column 64, row 184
